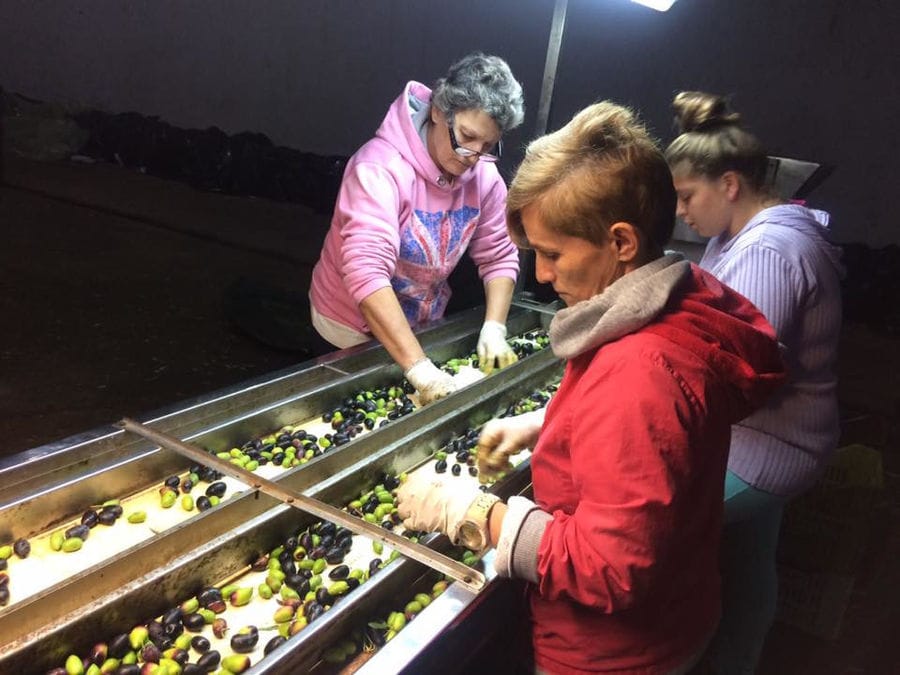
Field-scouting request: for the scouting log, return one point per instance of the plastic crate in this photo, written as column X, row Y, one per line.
column 827, row 529
column 814, row 603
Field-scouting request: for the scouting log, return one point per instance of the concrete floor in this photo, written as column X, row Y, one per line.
column 112, row 297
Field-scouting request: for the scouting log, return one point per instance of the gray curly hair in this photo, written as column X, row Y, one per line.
column 481, row 82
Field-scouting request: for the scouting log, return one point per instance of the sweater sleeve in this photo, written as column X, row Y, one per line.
column 629, row 446
column 368, row 207
column 763, row 276
column 491, row 249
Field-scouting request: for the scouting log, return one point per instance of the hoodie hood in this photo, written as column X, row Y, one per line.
column 399, row 130
column 678, row 301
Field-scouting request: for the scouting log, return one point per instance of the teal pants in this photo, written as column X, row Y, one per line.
column 749, row 578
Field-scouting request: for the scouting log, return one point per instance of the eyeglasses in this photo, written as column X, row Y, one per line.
column 467, row 152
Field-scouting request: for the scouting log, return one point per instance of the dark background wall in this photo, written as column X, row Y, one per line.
column 814, row 78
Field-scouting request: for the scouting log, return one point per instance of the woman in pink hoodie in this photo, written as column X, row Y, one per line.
column 413, row 199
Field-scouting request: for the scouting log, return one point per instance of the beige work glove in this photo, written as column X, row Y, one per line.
column 505, row 436
column 429, row 502
column 430, row 382
column 493, row 350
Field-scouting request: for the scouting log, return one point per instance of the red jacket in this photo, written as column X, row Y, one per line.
column 630, row 463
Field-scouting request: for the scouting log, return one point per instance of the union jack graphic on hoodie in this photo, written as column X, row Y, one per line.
column 431, row 244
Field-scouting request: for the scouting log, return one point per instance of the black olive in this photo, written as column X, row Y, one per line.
column 4, row 595
column 260, row 564
column 3, row 564
column 387, row 524
column 313, row 612
column 173, row 630
column 369, row 423
column 339, row 572
column 462, row 456
column 200, row 644
column 376, row 636
column 115, row 509
column 277, row 460
column 273, row 644
column 317, row 552
column 216, row 489
column 90, row 518
column 209, row 661
column 135, row 669
column 243, row 643
column 374, row 566
column 383, row 423
column 187, row 485
column 203, row 503
column 107, row 518
column 323, row 597
column 306, row 541
column 172, row 616
column 344, row 540
column 187, row 669
column 473, row 470
column 22, row 548
column 299, row 434
column 440, row 466
column 352, row 582
column 456, row 469
column 119, row 646
column 298, row 583
column 207, row 595
column 80, row 531
column 326, row 540
column 194, row 622
column 172, row 482
column 157, row 634
column 180, row 656
column 335, row 555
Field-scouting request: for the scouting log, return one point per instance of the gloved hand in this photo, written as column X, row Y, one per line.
column 430, row 381
column 430, row 502
column 506, row 436
column 493, row 350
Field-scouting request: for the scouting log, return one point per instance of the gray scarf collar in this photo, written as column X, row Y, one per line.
column 628, row 304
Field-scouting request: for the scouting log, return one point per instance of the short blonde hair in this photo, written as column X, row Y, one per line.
column 599, row 169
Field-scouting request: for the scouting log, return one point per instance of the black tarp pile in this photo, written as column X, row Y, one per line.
column 872, row 287
column 209, row 159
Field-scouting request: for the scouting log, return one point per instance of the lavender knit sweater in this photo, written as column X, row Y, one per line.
column 782, row 262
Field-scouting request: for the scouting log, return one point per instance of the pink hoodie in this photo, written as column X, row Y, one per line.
column 399, row 223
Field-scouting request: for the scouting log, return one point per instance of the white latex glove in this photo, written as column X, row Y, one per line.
column 430, row 381
column 500, row 438
column 428, row 502
column 493, row 350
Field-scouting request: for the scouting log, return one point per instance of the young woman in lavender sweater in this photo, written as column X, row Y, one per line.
column 777, row 255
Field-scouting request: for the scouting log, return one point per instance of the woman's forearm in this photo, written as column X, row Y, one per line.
column 388, row 324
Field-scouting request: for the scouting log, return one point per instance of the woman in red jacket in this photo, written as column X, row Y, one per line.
column 620, row 544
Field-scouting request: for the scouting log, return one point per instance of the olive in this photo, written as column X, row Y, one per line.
column 260, row 564
column 132, row 669
column 473, row 470
column 217, row 606
column 158, row 634
column 390, row 482
column 317, row 552
column 3, row 564
column 352, row 582
column 209, row 661
column 150, row 653
column 440, row 466
column 4, row 579
column 335, row 556
column 243, row 643
column 298, row 583
column 220, row 627
column 383, row 423
column 171, row 616
column 273, row 644
column 173, row 630
column 172, row 482
column 376, row 637
column 203, row 503
column 326, row 540
column 80, row 531
column 90, row 518
column 374, row 566
column 189, row 669
column 300, row 434
column 289, row 567
column 187, row 485
column 456, row 469
column 194, row 622
column 344, row 539
column 22, row 548
column 180, row 656
column 339, row 572
column 313, row 612
column 4, row 595
column 387, row 524
column 207, row 595
column 216, row 489
column 323, row 597
column 306, row 541
column 107, row 517
column 119, row 646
